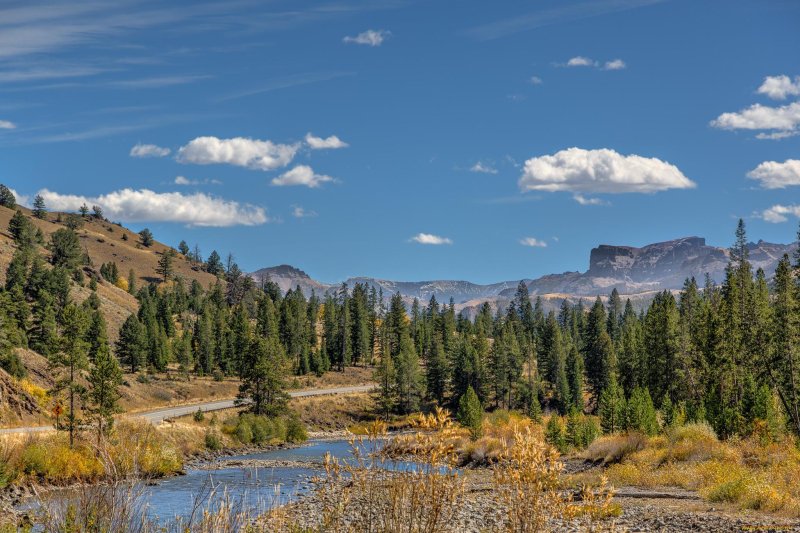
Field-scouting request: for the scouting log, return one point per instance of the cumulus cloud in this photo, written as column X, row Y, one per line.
column 775, row 175
column 533, row 242
column 580, row 61
column 7, row 125
column 483, row 168
column 780, row 87
column 149, row 150
column 536, row 80
column 301, row 175
column 239, row 151
column 779, row 213
column 428, row 238
column 369, row 37
column 600, row 171
column 318, row 143
column 21, row 198
column 785, row 119
column 615, row 64
column 299, row 212
column 143, row 205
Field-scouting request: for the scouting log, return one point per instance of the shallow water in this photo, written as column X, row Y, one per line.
column 257, row 488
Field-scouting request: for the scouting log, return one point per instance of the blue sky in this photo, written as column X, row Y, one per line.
column 409, row 140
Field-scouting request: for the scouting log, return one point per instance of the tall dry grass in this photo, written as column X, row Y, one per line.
column 751, row 473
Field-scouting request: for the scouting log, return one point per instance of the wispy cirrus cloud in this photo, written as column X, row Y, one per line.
column 143, row 205
column 430, row 239
column 369, row 37
column 7, row 125
column 581, row 61
column 287, row 82
column 157, row 82
column 299, row 211
column 547, row 17
column 533, row 242
column 183, row 180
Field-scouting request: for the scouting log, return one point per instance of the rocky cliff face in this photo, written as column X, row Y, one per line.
column 632, row 271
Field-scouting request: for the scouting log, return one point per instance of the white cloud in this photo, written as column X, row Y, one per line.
column 536, row 80
column 21, row 198
column 318, row 143
column 149, row 150
column 533, row 242
column 128, row 205
column 774, row 175
column 777, row 135
column 600, row 171
column 301, row 175
column 7, row 125
column 780, row 87
column 616, row 64
column 427, row 238
column 778, row 213
column 369, row 37
column 587, row 201
column 483, row 168
column 239, row 151
column 299, row 212
column 182, row 180
column 580, row 61
column 785, row 119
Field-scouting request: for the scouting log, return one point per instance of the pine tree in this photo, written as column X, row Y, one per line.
column 782, row 368
column 183, row 248
column 70, row 362
column 470, row 413
column 39, row 209
column 132, row 344
column 612, row 408
column 146, row 238
column 165, row 266
column 105, row 378
column 262, row 381
column 214, row 264
column 65, row 249
column 7, row 198
column 640, row 414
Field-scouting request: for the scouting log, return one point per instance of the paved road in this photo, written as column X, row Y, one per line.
column 159, row 415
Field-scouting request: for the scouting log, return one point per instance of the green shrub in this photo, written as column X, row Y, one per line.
column 555, row 435
column 199, row 415
column 640, row 414
column 244, row 432
column 213, row 442
column 295, row 430
column 470, row 413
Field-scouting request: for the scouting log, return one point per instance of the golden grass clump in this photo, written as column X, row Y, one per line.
column 614, row 448
column 749, row 473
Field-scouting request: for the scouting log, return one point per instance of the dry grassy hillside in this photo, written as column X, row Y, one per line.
column 27, row 400
column 104, row 243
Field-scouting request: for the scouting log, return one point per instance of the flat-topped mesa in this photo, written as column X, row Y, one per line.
column 659, row 260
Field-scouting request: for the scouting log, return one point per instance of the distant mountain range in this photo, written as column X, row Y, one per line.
column 634, row 272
